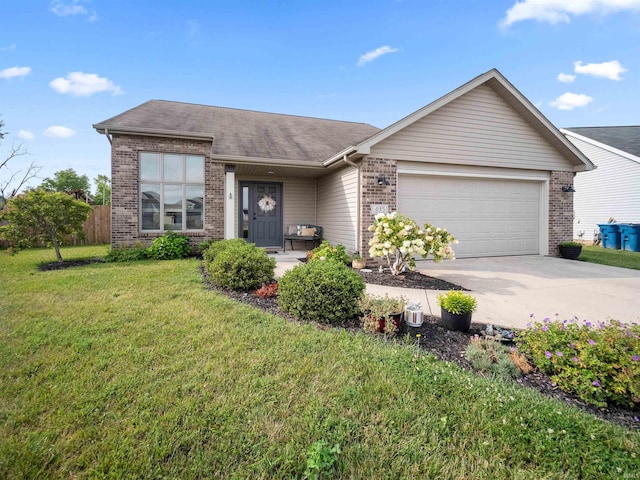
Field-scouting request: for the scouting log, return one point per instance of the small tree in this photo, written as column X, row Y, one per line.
column 398, row 239
column 45, row 216
column 66, row 181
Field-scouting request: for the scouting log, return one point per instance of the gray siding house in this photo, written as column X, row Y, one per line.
column 481, row 161
column 613, row 189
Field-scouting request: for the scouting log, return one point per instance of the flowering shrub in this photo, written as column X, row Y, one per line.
column 399, row 239
column 326, row 251
column 599, row 363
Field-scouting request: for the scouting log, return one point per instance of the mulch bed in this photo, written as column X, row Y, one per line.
column 444, row 344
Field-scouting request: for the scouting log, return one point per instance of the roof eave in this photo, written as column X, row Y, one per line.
column 151, row 132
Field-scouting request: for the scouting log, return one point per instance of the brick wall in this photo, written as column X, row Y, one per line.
column 125, row 231
column 373, row 194
column 560, row 210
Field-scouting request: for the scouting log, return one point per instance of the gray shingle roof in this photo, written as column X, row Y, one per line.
column 626, row 139
column 244, row 133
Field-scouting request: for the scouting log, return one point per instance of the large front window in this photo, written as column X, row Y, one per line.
column 171, row 192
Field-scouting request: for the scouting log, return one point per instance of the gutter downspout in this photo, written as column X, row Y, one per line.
column 349, row 162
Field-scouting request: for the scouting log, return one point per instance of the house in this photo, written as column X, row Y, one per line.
column 613, row 189
column 481, row 161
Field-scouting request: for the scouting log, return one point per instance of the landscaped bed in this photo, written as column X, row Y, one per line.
column 136, row 370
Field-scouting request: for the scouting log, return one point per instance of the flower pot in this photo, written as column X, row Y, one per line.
column 358, row 264
column 452, row 321
column 396, row 318
column 413, row 318
column 572, row 253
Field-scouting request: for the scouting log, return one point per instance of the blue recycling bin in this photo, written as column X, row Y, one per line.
column 610, row 235
column 630, row 237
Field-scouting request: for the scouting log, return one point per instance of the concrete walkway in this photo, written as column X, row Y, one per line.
column 510, row 289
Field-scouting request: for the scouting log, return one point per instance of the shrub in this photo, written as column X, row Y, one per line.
column 169, row 247
column 457, row 302
column 570, row 244
column 239, row 265
column 398, row 239
column 325, row 292
column 326, row 251
column 205, row 244
column 491, row 357
column 215, row 247
column 127, row 254
column 268, row 291
column 599, row 363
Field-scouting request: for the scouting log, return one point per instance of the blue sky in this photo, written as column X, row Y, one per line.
column 67, row 64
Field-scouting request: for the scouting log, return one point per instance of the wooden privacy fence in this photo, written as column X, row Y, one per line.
column 97, row 228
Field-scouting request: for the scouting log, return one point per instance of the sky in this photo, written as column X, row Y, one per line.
column 68, row 64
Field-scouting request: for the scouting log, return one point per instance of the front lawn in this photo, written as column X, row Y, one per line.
column 608, row 256
column 137, row 371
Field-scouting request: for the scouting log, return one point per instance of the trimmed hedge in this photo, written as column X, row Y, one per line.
column 238, row 265
column 325, row 292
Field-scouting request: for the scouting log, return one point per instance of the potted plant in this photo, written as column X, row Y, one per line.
column 357, row 261
column 382, row 314
column 456, row 308
column 413, row 314
column 570, row 250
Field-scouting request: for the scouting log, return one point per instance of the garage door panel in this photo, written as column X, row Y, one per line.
column 489, row 217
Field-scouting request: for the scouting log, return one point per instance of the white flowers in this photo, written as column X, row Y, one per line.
column 399, row 238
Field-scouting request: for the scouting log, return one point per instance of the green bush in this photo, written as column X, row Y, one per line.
column 326, row 251
column 599, row 363
column 205, row 244
column 216, row 247
column 127, row 254
column 457, row 302
column 491, row 357
column 169, row 247
column 238, row 265
column 325, row 292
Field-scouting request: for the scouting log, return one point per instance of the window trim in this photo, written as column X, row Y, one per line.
column 160, row 184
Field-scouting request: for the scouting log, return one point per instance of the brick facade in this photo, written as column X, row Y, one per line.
column 560, row 210
column 125, row 201
column 373, row 194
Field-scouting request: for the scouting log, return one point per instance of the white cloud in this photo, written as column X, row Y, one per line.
column 65, row 8
column 561, row 11
column 8, row 48
column 373, row 54
column 610, row 70
column 15, row 72
column 84, row 84
column 566, row 77
column 58, row 131
column 569, row 101
column 26, row 135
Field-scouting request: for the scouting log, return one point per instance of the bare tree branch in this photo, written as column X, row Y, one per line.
column 17, row 179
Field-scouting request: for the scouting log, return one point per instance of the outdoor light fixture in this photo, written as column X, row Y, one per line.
column 382, row 181
column 568, row 189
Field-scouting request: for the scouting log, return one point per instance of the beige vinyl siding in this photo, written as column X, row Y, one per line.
column 338, row 207
column 298, row 195
column 479, row 128
column 611, row 190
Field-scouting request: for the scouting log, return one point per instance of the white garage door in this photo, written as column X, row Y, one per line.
column 489, row 217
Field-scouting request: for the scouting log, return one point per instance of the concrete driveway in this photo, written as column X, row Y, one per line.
column 510, row 289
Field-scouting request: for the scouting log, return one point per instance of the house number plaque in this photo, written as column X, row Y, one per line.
column 377, row 208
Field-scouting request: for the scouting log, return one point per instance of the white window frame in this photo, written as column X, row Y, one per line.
column 161, row 184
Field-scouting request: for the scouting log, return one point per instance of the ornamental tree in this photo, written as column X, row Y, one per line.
column 399, row 239
column 43, row 216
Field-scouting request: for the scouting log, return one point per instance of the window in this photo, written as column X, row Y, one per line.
column 171, row 192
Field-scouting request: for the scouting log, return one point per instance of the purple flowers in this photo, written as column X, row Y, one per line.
column 548, row 354
column 575, row 359
column 545, row 328
column 588, row 324
column 559, row 354
column 572, row 345
column 596, row 383
column 635, row 358
column 591, row 342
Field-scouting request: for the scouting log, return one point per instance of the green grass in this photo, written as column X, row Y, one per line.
column 608, row 256
column 137, row 371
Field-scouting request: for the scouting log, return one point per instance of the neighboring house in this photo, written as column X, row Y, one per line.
column 613, row 189
column 481, row 161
